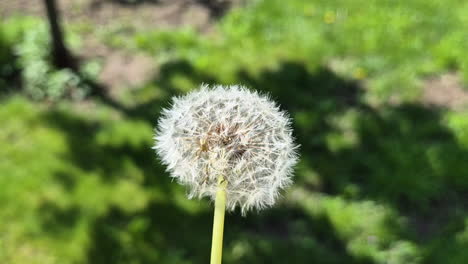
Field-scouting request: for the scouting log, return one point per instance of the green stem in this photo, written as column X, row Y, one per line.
column 218, row 222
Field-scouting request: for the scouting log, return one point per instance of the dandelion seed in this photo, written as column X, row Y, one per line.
column 230, row 132
column 230, row 144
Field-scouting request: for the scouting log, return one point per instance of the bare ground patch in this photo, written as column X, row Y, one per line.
column 445, row 91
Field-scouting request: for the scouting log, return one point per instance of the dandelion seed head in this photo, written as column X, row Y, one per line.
column 230, row 132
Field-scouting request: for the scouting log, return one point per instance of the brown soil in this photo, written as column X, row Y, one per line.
column 138, row 13
column 125, row 71
column 445, row 91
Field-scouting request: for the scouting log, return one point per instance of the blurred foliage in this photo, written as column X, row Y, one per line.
column 10, row 34
column 378, row 181
column 390, row 44
column 28, row 55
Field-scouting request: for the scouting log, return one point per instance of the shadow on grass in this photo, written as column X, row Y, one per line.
column 398, row 155
column 165, row 232
column 401, row 156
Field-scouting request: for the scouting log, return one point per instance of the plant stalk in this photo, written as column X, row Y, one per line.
column 218, row 222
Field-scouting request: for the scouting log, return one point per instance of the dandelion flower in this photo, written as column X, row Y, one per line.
column 229, row 132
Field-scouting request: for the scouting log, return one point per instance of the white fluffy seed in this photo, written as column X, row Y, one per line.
column 230, row 132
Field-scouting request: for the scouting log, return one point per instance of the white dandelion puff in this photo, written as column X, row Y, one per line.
column 230, row 132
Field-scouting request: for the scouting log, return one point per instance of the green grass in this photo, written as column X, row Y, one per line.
column 86, row 187
column 391, row 45
column 377, row 182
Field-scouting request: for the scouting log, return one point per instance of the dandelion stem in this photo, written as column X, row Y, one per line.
column 218, row 222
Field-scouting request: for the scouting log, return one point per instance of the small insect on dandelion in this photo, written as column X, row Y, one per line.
column 230, row 144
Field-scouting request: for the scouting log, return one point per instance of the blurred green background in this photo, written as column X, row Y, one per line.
column 378, row 95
